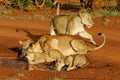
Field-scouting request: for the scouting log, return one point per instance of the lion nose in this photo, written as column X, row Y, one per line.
column 25, row 58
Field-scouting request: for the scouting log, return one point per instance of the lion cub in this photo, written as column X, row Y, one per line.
column 42, row 57
column 72, row 61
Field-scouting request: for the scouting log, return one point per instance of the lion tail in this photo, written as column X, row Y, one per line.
column 96, row 48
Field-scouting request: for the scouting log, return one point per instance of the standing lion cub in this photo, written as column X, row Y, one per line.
column 73, row 25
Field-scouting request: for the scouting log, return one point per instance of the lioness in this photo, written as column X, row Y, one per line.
column 72, row 61
column 73, row 25
column 28, row 46
column 66, row 44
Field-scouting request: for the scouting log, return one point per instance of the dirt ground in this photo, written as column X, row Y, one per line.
column 104, row 63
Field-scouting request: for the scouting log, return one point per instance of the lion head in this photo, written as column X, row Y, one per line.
column 86, row 19
column 25, row 45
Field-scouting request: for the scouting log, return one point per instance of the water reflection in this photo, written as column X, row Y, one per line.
column 13, row 64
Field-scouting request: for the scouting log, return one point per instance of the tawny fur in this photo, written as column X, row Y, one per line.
column 72, row 61
column 66, row 44
column 72, row 25
column 42, row 57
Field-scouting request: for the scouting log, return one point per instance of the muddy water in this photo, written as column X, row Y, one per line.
column 22, row 65
column 13, row 64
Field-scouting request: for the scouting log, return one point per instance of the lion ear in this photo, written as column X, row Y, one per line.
column 20, row 42
column 29, row 41
column 81, row 14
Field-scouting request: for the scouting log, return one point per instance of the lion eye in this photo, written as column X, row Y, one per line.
column 33, row 60
column 25, row 54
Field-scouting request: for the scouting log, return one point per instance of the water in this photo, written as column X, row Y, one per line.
column 13, row 64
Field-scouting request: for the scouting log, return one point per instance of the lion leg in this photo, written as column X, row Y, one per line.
column 59, row 64
column 82, row 66
column 52, row 31
column 69, row 62
column 86, row 35
column 71, row 68
column 56, row 55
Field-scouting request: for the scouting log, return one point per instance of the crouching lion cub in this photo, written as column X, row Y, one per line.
column 72, row 61
column 42, row 57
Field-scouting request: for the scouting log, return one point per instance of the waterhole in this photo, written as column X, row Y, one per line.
column 13, row 64
column 22, row 65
